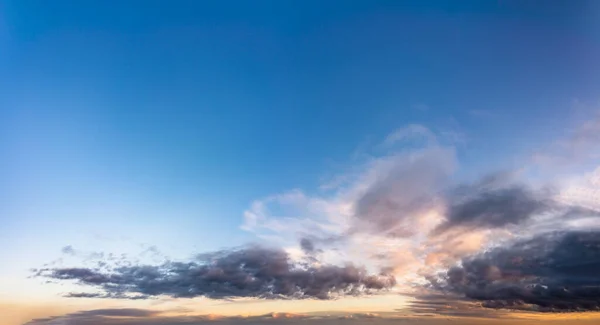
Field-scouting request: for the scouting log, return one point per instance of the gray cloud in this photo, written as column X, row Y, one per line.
column 551, row 272
column 484, row 207
column 96, row 316
column 68, row 250
column 248, row 272
column 307, row 245
column 411, row 188
column 119, row 312
column 403, row 191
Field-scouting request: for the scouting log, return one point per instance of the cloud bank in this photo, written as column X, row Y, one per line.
column 248, row 272
column 407, row 225
column 549, row 272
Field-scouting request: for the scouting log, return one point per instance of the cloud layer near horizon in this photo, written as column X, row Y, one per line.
column 143, row 316
column 249, row 272
column 405, row 225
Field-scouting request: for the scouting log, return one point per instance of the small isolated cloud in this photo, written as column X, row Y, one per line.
column 68, row 250
column 248, row 272
column 583, row 191
column 450, row 305
column 97, row 316
column 411, row 134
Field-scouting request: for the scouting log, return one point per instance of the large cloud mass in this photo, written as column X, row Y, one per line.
column 498, row 241
column 550, row 272
column 249, row 272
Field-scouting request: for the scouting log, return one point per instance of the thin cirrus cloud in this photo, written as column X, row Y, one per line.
column 406, row 227
column 97, row 316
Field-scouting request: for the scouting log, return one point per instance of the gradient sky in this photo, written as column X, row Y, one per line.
column 165, row 129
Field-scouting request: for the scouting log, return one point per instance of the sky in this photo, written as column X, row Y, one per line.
column 299, row 161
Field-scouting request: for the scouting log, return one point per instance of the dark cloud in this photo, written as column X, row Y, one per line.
column 307, row 245
column 551, row 272
column 122, row 312
column 485, row 207
column 450, row 305
column 412, row 187
column 248, row 272
column 96, row 316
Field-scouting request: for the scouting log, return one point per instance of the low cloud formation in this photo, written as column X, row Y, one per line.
column 451, row 305
column 550, row 272
column 249, row 272
column 96, row 316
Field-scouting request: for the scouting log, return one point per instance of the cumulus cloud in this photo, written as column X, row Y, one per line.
column 68, row 250
column 404, row 213
column 248, row 272
column 307, row 245
column 404, row 219
column 549, row 272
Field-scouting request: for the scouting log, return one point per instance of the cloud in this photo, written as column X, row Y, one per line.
column 379, row 217
column 550, row 272
column 68, row 250
column 122, row 312
column 307, row 246
column 403, row 218
column 489, row 207
column 247, row 272
column 402, row 188
column 89, row 318
column 450, row 305
column 96, row 316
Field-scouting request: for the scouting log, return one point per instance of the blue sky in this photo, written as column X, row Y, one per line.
column 160, row 123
